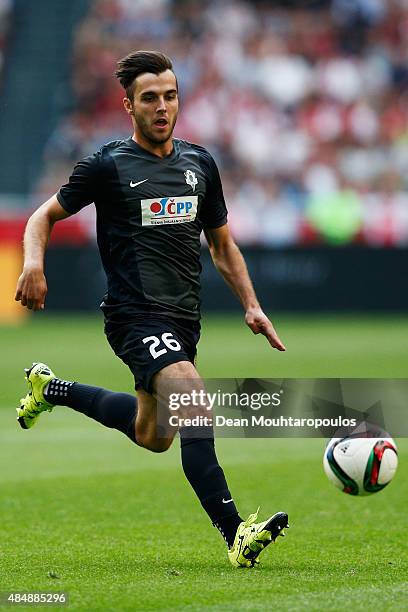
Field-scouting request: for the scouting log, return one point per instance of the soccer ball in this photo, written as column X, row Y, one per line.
column 360, row 466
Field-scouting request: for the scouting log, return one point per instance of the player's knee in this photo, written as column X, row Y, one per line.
column 155, row 445
column 197, row 407
column 160, row 446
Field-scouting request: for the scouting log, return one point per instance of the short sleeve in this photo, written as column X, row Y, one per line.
column 214, row 210
column 81, row 188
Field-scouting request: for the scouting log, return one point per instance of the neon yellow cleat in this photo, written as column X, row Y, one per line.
column 34, row 403
column 251, row 538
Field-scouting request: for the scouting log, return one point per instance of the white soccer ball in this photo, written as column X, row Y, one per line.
column 360, row 466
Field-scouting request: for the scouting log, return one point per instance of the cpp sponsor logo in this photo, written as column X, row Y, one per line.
column 160, row 211
column 168, row 206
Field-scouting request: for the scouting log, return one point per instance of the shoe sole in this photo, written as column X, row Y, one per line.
column 274, row 527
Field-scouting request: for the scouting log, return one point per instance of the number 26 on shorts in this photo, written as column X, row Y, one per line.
column 167, row 339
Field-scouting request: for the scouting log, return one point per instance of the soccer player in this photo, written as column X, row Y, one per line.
column 154, row 194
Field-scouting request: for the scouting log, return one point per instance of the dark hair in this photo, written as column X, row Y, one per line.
column 137, row 63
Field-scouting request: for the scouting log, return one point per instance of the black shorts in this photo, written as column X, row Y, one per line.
column 150, row 343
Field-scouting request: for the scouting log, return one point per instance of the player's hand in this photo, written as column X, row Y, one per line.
column 32, row 289
column 259, row 323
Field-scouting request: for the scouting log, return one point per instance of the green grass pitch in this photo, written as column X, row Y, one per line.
column 85, row 511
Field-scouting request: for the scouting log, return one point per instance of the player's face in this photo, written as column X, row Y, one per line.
column 155, row 106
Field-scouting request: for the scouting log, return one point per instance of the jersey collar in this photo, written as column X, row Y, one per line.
column 151, row 156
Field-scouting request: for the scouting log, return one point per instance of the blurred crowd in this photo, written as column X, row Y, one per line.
column 305, row 108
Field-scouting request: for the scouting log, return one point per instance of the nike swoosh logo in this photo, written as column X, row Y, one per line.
column 132, row 184
column 226, row 501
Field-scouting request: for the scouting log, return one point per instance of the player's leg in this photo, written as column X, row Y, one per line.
column 245, row 539
column 198, row 456
column 114, row 410
column 119, row 411
column 148, row 433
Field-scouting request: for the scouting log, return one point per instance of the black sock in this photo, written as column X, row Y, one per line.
column 228, row 527
column 207, row 478
column 115, row 410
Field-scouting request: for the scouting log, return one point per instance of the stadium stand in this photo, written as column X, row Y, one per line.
column 304, row 108
column 35, row 86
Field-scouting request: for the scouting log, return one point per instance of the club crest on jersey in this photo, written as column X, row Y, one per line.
column 163, row 211
column 191, row 179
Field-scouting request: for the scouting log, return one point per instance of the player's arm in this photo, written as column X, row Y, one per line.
column 32, row 286
column 230, row 263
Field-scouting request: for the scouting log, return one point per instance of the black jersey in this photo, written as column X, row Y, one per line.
column 150, row 214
